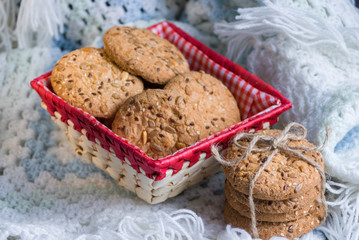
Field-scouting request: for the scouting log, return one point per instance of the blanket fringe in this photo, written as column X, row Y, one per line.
column 38, row 23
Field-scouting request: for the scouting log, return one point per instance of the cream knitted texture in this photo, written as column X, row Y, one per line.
column 46, row 192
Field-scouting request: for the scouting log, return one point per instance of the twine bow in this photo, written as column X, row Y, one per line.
column 293, row 131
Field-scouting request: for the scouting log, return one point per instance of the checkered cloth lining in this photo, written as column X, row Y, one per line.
column 250, row 100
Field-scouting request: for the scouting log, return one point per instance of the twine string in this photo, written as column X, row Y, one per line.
column 293, row 131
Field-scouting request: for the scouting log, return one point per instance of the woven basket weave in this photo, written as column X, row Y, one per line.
column 155, row 180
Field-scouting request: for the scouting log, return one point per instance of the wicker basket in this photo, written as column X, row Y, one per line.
column 155, row 180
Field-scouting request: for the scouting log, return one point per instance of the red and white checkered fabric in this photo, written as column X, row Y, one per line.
column 250, row 100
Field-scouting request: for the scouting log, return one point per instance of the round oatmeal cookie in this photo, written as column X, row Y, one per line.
column 158, row 121
column 244, row 210
column 266, row 230
column 286, row 176
column 267, row 206
column 87, row 78
column 143, row 53
column 210, row 97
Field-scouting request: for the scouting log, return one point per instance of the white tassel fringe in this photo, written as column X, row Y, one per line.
column 38, row 22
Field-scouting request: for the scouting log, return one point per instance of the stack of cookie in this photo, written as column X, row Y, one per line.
column 140, row 85
column 287, row 194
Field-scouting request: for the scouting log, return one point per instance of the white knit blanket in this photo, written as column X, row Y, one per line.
column 46, row 192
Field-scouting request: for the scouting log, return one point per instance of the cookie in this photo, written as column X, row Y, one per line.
column 87, row 78
column 158, row 121
column 287, row 176
column 266, row 230
column 167, row 120
column 210, row 97
column 266, row 206
column 143, row 53
column 272, row 217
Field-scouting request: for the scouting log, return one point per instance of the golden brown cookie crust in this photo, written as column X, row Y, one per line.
column 287, row 176
column 266, row 230
column 86, row 78
column 161, row 122
column 143, row 53
column 244, row 210
column 158, row 122
column 210, row 97
column 266, row 206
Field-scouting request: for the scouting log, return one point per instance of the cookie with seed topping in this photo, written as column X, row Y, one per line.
column 208, row 96
column 267, row 206
column 274, row 217
column 87, row 78
column 192, row 106
column 244, row 210
column 158, row 121
column 286, row 176
column 266, row 230
column 143, row 53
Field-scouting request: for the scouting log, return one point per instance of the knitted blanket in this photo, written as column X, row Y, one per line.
column 46, row 192
column 309, row 50
column 314, row 62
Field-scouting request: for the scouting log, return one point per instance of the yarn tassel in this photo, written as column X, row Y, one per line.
column 181, row 224
column 8, row 9
column 343, row 219
column 38, row 23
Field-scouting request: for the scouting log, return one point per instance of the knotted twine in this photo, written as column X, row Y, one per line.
column 293, row 131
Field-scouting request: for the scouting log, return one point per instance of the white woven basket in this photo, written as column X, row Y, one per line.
column 146, row 188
